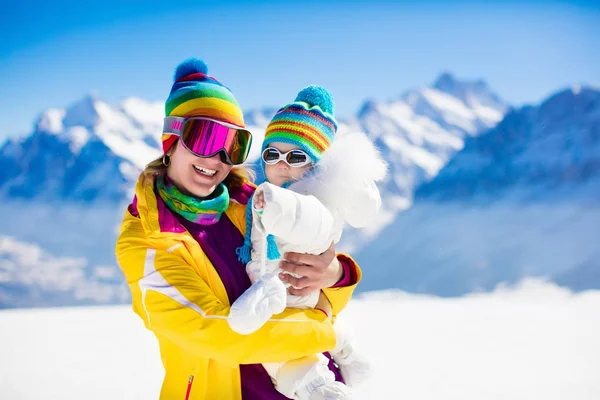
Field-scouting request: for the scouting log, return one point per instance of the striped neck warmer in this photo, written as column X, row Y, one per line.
column 199, row 211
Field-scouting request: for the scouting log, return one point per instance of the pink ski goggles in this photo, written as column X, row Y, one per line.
column 206, row 137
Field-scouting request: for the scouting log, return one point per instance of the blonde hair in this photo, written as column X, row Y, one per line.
column 235, row 179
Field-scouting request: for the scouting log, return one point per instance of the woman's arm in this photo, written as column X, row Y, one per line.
column 340, row 293
column 322, row 272
column 176, row 303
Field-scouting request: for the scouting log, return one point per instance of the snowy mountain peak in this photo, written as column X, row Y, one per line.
column 367, row 107
column 474, row 93
column 73, row 152
column 544, row 151
column 447, row 82
column 418, row 134
column 420, row 131
column 574, row 102
column 50, row 121
column 143, row 113
column 83, row 112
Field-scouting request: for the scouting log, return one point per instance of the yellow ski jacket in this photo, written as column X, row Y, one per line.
column 180, row 297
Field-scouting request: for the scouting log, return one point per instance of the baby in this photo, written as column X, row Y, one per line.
column 314, row 184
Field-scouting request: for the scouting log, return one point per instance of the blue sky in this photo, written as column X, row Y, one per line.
column 53, row 54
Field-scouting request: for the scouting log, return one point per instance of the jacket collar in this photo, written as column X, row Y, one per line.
column 160, row 222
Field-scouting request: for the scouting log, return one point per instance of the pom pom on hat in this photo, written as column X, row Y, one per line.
column 316, row 96
column 196, row 94
column 190, row 66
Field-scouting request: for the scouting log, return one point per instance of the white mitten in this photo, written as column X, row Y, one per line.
column 257, row 304
column 319, row 390
column 312, row 380
column 354, row 366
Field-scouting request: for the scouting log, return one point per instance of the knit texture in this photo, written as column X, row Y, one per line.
column 196, row 94
column 194, row 209
column 307, row 123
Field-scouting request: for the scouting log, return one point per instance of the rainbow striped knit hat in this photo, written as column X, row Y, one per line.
column 308, row 122
column 196, row 94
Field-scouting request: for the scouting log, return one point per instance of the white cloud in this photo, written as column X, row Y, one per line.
column 29, row 276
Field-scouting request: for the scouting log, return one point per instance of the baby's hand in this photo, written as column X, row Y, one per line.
column 259, row 200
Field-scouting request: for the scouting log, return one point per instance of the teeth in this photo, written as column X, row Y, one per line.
column 205, row 171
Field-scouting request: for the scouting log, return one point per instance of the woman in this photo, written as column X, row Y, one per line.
column 177, row 251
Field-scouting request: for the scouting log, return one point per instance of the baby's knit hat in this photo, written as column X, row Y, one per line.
column 308, row 122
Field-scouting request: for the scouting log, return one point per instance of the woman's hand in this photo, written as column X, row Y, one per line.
column 317, row 271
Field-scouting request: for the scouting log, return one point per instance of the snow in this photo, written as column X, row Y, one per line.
column 455, row 248
column 130, row 172
column 549, row 147
column 79, row 137
column 429, row 162
column 256, row 122
column 447, row 103
column 51, row 120
column 417, row 141
column 417, row 135
column 535, row 341
column 137, row 152
column 490, row 115
column 93, row 141
column 420, row 132
column 83, row 112
column 147, row 115
column 123, row 128
column 258, row 134
column 472, row 93
column 122, row 135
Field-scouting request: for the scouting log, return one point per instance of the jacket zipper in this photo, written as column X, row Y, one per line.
column 189, row 387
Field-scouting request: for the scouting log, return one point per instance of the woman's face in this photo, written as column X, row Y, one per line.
column 195, row 175
column 281, row 173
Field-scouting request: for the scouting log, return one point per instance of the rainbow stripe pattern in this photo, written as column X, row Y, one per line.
column 196, row 94
column 198, row 211
column 308, row 123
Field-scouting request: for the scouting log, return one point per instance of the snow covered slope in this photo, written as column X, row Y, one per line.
column 73, row 153
column 521, row 200
column 417, row 134
column 537, row 341
column 65, row 186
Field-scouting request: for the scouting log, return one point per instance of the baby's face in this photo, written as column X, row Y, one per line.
column 281, row 173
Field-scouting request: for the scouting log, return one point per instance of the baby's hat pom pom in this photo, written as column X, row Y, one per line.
column 316, row 96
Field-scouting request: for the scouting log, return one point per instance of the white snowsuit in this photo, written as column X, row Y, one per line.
column 306, row 218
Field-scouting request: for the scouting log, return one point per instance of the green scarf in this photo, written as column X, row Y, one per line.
column 205, row 211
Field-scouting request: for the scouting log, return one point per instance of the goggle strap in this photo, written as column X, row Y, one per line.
column 173, row 125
